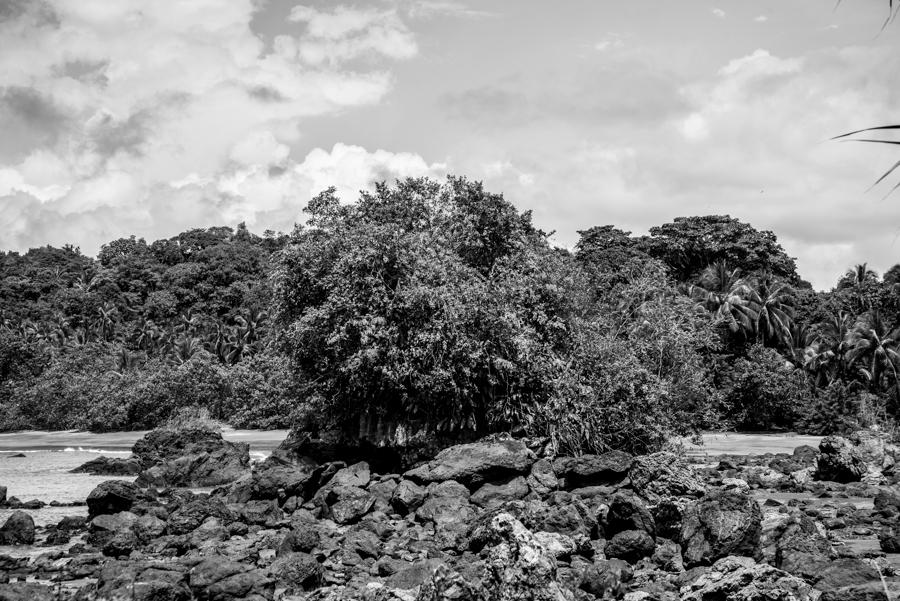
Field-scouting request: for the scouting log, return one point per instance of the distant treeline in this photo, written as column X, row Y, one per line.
column 439, row 306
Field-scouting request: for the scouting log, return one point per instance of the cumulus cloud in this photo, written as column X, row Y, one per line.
column 718, row 12
column 136, row 117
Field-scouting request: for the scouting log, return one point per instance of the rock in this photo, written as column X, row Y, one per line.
column 348, row 504
column 490, row 494
column 742, row 579
column 518, row 567
column 274, row 477
column 628, row 512
column 220, row 579
column 630, row 545
column 803, row 552
column 263, row 513
column 121, row 544
column 411, row 575
column 189, row 458
column 720, row 524
column 889, row 540
column 353, row 475
column 109, row 466
column 304, row 537
column 606, row 578
column 446, row 584
column 667, row 556
column 542, row 478
column 407, row 497
column 475, row 463
column 298, row 571
column 447, row 507
column 839, row 461
column 190, row 515
column 664, row 475
column 27, row 591
column 112, row 496
column 845, row 572
column 872, row 591
column 17, row 530
column 142, row 581
column 591, row 470
column 2, row 495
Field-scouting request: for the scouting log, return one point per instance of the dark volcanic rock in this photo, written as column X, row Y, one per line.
column 628, row 512
column 407, row 497
column 720, row 524
column 630, row 545
column 742, row 579
column 110, row 466
column 220, row 579
column 475, row 463
column 606, row 578
column 189, row 458
column 840, row 461
column 664, row 475
column 112, row 496
column 27, row 591
column 18, row 529
column 143, row 581
column 299, row 571
column 592, row 470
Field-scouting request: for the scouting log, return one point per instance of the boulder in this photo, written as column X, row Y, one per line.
column 846, row 572
column 742, row 579
column 220, row 579
column 627, row 511
column 518, row 566
column 274, row 478
column 591, row 470
column 407, row 497
column 664, row 475
column 112, row 496
column 190, row 515
column 630, row 546
column 189, row 458
column 447, row 507
column 542, row 478
column 348, row 504
column 110, row 466
column 476, row 463
column 298, row 571
column 606, row 579
column 142, row 581
column 720, row 524
column 28, row 591
column 840, row 461
column 262, row 513
column 18, row 529
column 490, row 495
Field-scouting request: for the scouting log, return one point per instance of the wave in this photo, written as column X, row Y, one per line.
column 99, row 451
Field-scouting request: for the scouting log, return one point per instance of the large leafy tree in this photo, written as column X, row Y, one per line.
column 432, row 304
column 689, row 244
column 727, row 295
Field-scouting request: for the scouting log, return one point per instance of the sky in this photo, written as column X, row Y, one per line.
column 149, row 118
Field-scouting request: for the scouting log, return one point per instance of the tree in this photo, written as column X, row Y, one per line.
column 770, row 301
column 436, row 305
column 874, row 350
column 724, row 293
column 689, row 244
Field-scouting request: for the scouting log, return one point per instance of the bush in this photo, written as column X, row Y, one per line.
column 261, row 394
column 842, row 408
column 763, row 391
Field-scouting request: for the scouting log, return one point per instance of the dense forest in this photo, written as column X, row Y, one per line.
column 440, row 306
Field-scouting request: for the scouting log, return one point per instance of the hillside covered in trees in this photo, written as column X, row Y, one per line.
column 439, row 306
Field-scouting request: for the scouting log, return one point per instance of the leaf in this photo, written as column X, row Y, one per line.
column 859, row 131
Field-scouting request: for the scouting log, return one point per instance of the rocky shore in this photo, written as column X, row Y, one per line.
column 497, row 519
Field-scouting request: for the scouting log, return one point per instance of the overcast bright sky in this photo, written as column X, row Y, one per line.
column 123, row 117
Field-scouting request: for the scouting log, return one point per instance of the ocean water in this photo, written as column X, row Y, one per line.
column 43, row 472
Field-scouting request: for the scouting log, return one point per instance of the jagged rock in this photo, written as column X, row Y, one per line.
column 490, row 494
column 275, row 477
column 889, row 540
column 298, row 571
column 803, row 553
column 667, row 556
column 18, row 529
column 189, row 458
column 112, row 496
column 190, row 515
column 263, row 513
column 2, row 495
column 407, row 497
column 628, row 512
column 475, row 463
column 606, row 578
column 840, row 461
column 720, row 524
column 357, row 475
column 845, row 572
column 518, row 567
column 220, row 579
column 447, row 507
column 742, row 579
column 446, row 584
column 663, row 475
column 348, row 504
column 542, row 478
column 110, row 466
column 591, row 470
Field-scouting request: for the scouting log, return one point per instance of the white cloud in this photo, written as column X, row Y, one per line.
column 761, row 19
column 718, row 12
column 174, row 115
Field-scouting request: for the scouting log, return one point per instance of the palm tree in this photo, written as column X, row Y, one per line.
column 184, row 349
column 771, row 300
column 874, row 347
column 725, row 293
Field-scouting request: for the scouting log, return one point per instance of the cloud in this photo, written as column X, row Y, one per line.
column 348, row 33
column 131, row 117
column 761, row 19
column 718, row 12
